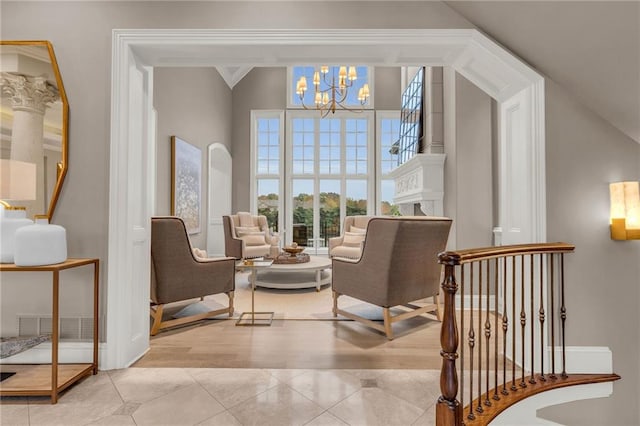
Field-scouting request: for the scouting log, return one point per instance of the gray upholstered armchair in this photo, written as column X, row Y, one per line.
column 399, row 265
column 247, row 235
column 177, row 274
column 349, row 244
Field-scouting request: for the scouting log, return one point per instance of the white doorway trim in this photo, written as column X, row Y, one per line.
column 518, row 89
column 219, row 196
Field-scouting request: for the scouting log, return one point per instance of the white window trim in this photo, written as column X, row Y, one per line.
column 381, row 115
column 253, row 207
column 371, row 80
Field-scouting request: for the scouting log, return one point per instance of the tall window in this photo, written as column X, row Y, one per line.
column 328, row 167
column 267, row 165
column 387, row 133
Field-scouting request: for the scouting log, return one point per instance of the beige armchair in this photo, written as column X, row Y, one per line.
column 178, row 274
column 247, row 236
column 349, row 244
column 399, row 265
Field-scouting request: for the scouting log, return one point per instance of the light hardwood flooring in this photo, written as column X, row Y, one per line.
column 297, row 344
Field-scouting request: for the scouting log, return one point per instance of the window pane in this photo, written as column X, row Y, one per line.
column 351, row 167
column 308, row 167
column 269, row 201
column 302, row 205
column 263, row 139
column 351, row 153
column 329, row 211
column 356, row 197
column 274, row 153
column 263, row 153
column 308, row 153
column 386, row 197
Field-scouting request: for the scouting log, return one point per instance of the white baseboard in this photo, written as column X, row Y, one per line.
column 586, row 359
column 478, row 301
column 580, row 360
column 68, row 352
column 525, row 411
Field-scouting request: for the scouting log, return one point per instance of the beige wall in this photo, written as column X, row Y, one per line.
column 261, row 88
column 472, row 165
column 387, row 88
column 193, row 104
column 584, row 153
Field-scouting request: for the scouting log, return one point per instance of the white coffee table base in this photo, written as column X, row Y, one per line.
column 294, row 279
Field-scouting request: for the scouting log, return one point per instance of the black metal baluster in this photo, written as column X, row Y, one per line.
column 542, row 318
column 505, row 326
column 552, row 286
column 461, row 393
column 487, row 334
column 563, row 316
column 479, row 407
column 495, row 339
column 513, row 329
column 523, row 319
column 532, row 379
column 472, row 344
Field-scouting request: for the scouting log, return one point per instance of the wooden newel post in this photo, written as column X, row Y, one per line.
column 448, row 409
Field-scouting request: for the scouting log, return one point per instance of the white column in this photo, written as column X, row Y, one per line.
column 29, row 97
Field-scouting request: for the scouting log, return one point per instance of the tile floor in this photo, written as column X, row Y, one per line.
column 232, row 397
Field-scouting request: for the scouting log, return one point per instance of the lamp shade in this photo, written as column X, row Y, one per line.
column 625, row 210
column 17, row 180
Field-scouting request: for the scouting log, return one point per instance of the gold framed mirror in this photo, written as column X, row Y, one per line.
column 34, row 116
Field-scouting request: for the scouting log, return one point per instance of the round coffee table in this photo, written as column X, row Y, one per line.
column 314, row 273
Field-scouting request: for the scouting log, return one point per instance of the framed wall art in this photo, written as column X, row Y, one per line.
column 186, row 183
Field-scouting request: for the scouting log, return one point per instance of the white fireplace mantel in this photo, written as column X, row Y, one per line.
column 420, row 181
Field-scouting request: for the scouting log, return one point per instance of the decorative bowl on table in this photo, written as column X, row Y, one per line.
column 293, row 251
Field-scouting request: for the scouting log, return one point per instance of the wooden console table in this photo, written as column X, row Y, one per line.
column 33, row 379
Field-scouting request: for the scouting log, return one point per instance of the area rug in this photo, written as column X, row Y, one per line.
column 298, row 304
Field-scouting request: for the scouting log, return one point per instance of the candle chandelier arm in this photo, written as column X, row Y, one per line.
column 333, row 97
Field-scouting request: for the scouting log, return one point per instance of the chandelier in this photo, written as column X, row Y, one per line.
column 328, row 100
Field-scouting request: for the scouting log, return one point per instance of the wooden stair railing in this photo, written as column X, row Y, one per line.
column 512, row 327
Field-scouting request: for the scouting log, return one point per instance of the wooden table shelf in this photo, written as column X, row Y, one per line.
column 51, row 379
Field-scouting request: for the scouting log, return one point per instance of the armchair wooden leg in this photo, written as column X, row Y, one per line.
column 156, row 314
column 231, row 295
column 335, row 303
column 387, row 323
column 436, row 300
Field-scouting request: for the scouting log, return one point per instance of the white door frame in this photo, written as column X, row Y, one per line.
column 517, row 88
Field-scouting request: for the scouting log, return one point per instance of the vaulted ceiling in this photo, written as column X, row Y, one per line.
column 590, row 48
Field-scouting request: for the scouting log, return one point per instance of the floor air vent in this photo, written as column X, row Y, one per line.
column 71, row 328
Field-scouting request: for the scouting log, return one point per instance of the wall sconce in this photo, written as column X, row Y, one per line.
column 625, row 210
